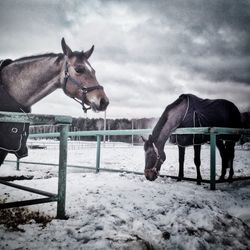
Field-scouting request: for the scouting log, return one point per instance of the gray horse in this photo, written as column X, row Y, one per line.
column 25, row 81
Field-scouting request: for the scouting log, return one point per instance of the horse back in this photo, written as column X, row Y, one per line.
column 208, row 113
column 214, row 113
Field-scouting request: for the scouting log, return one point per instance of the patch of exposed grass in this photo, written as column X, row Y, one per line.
column 13, row 217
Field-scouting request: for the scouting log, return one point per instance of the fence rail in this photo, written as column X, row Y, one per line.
column 211, row 131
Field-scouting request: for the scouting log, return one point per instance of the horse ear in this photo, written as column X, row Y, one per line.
column 144, row 139
column 66, row 49
column 88, row 53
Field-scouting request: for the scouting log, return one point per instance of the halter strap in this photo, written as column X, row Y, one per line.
column 158, row 158
column 85, row 90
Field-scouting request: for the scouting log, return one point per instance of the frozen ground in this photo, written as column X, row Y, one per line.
column 125, row 211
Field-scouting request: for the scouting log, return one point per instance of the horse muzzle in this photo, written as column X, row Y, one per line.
column 100, row 105
column 151, row 174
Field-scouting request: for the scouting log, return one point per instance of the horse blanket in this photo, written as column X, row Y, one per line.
column 207, row 113
column 13, row 136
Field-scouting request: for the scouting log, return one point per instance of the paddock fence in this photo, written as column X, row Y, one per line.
column 99, row 134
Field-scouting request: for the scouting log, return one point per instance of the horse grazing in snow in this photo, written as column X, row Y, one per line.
column 191, row 111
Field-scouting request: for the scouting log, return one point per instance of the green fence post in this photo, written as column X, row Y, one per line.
column 212, row 159
column 17, row 164
column 62, row 172
column 98, row 153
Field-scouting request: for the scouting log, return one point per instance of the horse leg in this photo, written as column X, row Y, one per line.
column 222, row 150
column 197, row 162
column 181, row 162
column 3, row 154
column 229, row 146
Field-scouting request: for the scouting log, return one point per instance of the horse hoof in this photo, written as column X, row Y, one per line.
column 179, row 179
column 198, row 183
column 230, row 180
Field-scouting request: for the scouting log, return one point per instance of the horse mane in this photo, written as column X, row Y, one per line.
column 164, row 117
column 59, row 56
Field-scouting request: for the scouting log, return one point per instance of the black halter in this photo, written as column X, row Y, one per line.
column 84, row 89
column 158, row 158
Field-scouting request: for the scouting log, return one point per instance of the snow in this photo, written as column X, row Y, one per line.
column 125, row 211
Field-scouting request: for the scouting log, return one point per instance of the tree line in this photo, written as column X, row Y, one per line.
column 87, row 124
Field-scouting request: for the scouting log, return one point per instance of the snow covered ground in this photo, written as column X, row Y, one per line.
column 125, row 211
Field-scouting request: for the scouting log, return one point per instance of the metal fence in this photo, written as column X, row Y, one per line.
column 64, row 134
column 212, row 132
column 63, row 122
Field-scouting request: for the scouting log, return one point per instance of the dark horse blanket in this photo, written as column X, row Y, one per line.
column 13, row 136
column 207, row 113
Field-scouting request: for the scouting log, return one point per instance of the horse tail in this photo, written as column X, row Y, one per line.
column 245, row 119
column 3, row 154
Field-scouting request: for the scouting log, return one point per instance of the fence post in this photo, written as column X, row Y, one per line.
column 98, row 153
column 62, row 171
column 212, row 159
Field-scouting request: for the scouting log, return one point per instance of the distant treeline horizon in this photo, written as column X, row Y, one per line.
column 87, row 124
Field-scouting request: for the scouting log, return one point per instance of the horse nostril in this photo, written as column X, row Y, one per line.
column 150, row 177
column 103, row 103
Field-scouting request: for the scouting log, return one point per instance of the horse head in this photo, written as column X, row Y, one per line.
column 79, row 79
column 154, row 158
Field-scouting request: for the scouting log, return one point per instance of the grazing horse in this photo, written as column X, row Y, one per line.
column 191, row 111
column 25, row 81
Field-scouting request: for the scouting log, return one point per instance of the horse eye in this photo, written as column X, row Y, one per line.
column 80, row 70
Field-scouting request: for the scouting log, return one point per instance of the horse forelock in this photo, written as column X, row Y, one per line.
column 79, row 55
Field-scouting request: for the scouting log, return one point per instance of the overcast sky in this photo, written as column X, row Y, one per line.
column 146, row 54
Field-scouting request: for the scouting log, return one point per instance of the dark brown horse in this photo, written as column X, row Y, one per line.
column 25, row 81
column 191, row 111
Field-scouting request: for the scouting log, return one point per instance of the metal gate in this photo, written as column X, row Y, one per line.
column 63, row 122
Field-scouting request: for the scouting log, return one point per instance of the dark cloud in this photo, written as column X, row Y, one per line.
column 214, row 32
column 28, row 26
column 210, row 38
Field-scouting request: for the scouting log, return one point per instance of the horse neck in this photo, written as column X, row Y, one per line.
column 31, row 79
column 169, row 121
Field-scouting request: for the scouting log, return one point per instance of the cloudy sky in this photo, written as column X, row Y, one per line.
column 146, row 54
